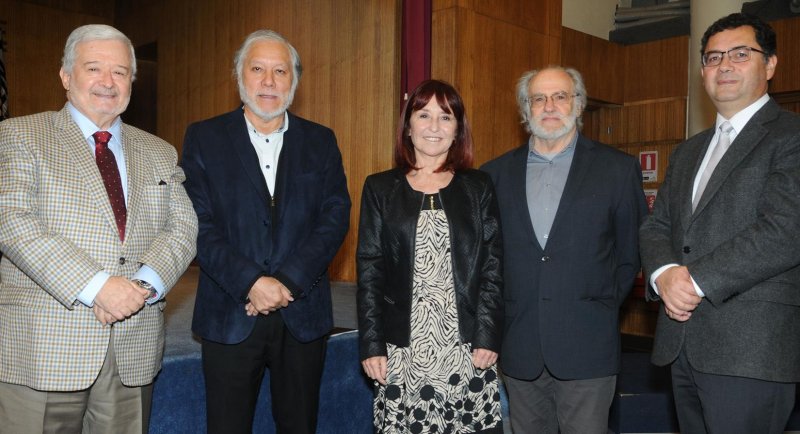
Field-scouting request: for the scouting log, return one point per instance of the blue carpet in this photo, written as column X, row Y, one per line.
column 643, row 403
column 345, row 397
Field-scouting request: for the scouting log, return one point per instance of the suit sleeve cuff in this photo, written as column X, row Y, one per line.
column 295, row 289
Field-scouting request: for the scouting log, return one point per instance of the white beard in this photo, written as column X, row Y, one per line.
column 542, row 133
column 265, row 116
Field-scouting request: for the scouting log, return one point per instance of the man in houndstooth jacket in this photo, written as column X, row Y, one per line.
column 85, row 267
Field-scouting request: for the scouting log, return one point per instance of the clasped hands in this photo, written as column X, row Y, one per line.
column 375, row 367
column 677, row 291
column 267, row 295
column 119, row 298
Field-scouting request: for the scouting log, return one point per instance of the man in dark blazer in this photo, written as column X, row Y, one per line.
column 271, row 198
column 570, row 211
column 721, row 250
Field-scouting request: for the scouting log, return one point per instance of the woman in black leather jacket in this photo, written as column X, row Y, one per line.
column 429, row 260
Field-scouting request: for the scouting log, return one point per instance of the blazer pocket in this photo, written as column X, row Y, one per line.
column 773, row 292
column 607, row 301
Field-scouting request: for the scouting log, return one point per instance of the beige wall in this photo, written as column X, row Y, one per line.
column 594, row 17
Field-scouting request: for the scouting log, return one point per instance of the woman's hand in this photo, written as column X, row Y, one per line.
column 375, row 367
column 483, row 358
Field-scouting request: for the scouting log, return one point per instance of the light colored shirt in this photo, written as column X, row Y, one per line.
column 545, row 178
column 738, row 122
column 268, row 148
column 145, row 273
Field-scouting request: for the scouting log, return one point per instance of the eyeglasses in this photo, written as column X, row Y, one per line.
column 735, row 55
column 559, row 98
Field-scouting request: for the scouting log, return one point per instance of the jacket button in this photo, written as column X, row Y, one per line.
column 545, row 258
column 121, row 261
column 687, row 249
column 266, row 261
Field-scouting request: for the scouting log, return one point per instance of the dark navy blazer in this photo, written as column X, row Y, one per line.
column 562, row 302
column 246, row 232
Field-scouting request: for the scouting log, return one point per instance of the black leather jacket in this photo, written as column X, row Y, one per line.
column 385, row 259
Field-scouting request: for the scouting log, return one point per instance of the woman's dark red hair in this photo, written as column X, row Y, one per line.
column 459, row 156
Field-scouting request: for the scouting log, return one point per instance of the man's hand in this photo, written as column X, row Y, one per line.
column 483, row 358
column 120, row 298
column 104, row 317
column 375, row 367
column 677, row 292
column 267, row 295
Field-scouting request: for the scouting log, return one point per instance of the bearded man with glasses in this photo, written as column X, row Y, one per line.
column 721, row 248
column 570, row 210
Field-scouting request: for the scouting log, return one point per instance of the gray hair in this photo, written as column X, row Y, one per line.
column 94, row 32
column 525, row 81
column 266, row 35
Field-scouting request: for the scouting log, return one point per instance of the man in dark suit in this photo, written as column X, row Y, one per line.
column 721, row 249
column 570, row 211
column 271, row 197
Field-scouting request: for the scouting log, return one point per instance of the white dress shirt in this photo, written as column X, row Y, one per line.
column 268, row 148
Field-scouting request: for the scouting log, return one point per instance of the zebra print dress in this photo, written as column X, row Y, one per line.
column 432, row 386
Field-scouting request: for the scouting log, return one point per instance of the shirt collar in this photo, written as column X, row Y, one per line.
column 739, row 120
column 88, row 127
column 569, row 148
column 282, row 129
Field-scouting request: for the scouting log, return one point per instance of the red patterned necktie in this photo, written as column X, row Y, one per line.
column 110, row 173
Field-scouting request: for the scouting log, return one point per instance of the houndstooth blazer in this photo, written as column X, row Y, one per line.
column 57, row 231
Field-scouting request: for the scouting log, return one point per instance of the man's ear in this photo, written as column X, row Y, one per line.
column 772, row 62
column 64, row 78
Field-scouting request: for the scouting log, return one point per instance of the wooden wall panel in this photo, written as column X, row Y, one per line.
column 35, row 36
column 349, row 82
column 524, row 14
column 787, row 78
column 638, row 317
column 792, row 106
column 655, row 120
column 619, row 74
column 599, row 61
column 657, row 69
column 483, row 51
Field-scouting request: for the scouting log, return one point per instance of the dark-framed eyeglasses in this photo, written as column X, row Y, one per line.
column 735, row 55
column 559, row 98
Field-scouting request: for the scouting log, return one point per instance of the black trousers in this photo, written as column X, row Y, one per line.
column 722, row 404
column 233, row 375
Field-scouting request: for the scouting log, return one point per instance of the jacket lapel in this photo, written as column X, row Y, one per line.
column 697, row 145
column 288, row 162
column 241, row 145
column 139, row 177
column 518, row 183
column 71, row 138
column 750, row 136
column 581, row 164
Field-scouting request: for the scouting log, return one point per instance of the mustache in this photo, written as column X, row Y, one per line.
column 105, row 92
column 562, row 117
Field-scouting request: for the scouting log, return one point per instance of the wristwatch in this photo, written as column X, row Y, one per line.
column 146, row 285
